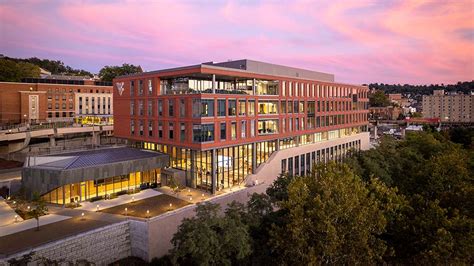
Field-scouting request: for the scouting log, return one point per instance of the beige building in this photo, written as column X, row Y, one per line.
column 93, row 108
column 449, row 108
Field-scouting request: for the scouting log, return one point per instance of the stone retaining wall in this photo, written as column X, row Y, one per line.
column 101, row 246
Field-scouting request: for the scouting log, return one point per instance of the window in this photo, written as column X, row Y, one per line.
column 223, row 131
column 267, row 107
column 150, row 87
column 243, row 129
column 160, row 130
column 182, row 134
column 264, row 87
column 160, row 107
column 283, row 107
column 171, row 131
column 221, row 108
column 233, row 131
column 150, row 128
column 132, row 127
column 140, row 107
column 267, row 126
column 140, row 87
column 171, row 107
column 182, row 108
column 141, row 128
column 132, row 88
column 232, row 108
column 203, row 133
column 252, row 128
column 251, row 110
column 150, row 108
column 290, row 166
column 203, row 107
column 242, row 107
column 283, row 166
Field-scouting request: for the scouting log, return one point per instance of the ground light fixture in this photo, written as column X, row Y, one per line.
column 126, row 211
column 82, row 216
column 16, row 218
column 147, row 213
column 133, row 198
column 97, row 207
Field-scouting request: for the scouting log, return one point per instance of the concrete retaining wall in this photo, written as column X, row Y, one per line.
column 101, row 246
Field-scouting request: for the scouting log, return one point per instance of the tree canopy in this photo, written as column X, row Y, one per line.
column 108, row 73
column 14, row 71
column 464, row 87
column 56, row 67
column 436, row 177
column 378, row 99
column 404, row 202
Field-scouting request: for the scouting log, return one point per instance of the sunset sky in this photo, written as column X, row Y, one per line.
column 418, row 42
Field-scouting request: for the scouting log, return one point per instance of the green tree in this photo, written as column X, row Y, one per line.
column 332, row 218
column 436, row 178
column 378, row 99
column 14, row 72
column 210, row 239
column 108, row 73
column 39, row 209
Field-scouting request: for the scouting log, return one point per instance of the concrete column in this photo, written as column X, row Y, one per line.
column 52, row 141
column 214, row 171
column 213, row 83
column 192, row 178
column 254, row 86
column 95, row 138
column 254, row 157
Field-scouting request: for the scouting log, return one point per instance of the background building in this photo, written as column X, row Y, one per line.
column 221, row 122
column 53, row 99
column 449, row 108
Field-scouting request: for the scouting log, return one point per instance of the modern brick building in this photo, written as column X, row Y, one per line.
column 457, row 108
column 222, row 122
column 54, row 99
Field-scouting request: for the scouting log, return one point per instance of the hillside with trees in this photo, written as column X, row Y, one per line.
column 464, row 87
column 12, row 71
column 404, row 202
column 56, row 67
column 15, row 69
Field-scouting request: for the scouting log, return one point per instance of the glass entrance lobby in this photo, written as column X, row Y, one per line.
column 87, row 190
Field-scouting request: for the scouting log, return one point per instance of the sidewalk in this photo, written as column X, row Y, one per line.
column 104, row 204
column 7, row 214
column 29, row 224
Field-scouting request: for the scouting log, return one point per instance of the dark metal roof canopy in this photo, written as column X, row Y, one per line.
column 45, row 173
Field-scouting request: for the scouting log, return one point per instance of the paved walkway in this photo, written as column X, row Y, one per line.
column 30, row 223
column 123, row 199
column 7, row 214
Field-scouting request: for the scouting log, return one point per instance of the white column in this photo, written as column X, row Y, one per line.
column 213, row 83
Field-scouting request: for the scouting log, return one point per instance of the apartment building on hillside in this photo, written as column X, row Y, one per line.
column 457, row 108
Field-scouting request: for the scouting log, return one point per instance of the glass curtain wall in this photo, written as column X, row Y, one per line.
column 87, row 190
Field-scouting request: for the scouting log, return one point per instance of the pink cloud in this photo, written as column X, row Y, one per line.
column 360, row 41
